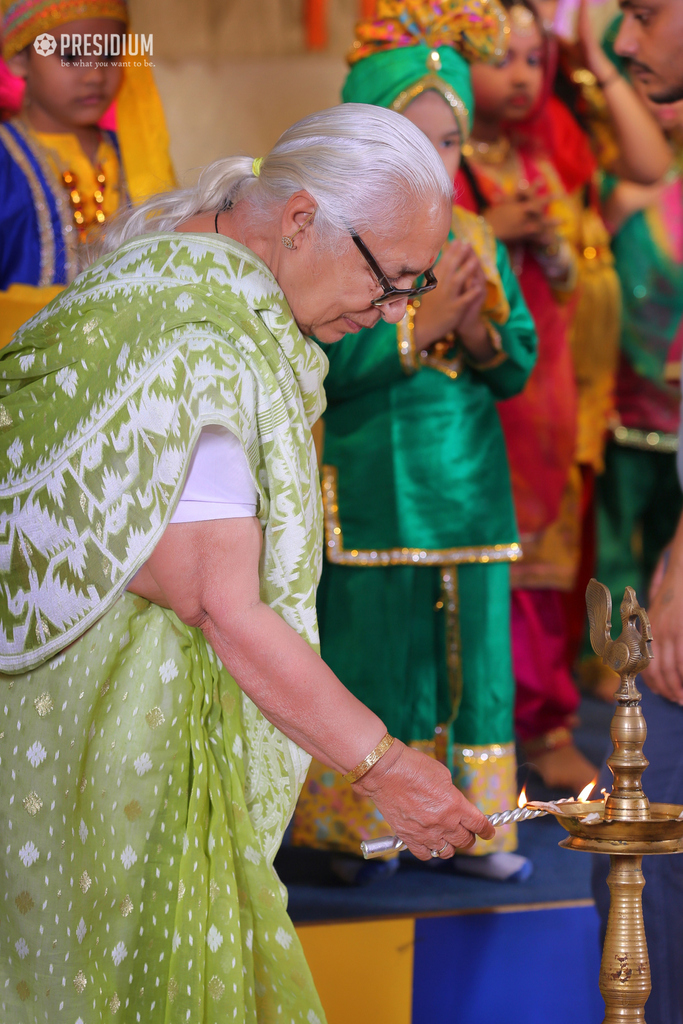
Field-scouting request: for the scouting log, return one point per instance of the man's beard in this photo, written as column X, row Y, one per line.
column 672, row 95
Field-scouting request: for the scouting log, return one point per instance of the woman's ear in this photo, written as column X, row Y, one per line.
column 18, row 64
column 298, row 213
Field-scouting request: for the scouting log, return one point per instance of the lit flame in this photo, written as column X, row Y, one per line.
column 586, row 791
column 522, row 802
column 604, row 794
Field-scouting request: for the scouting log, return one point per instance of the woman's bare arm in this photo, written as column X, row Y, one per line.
column 207, row 573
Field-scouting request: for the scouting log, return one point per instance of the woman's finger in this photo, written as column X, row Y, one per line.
column 529, row 191
column 461, row 838
column 472, row 297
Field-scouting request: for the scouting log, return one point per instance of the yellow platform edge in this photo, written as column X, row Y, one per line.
column 363, row 970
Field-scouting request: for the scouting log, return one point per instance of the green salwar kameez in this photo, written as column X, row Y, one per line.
column 639, row 497
column 414, row 599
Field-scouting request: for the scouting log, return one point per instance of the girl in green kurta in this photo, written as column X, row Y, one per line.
column 420, row 528
column 160, row 680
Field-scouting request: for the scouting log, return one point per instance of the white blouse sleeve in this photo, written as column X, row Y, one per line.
column 219, row 484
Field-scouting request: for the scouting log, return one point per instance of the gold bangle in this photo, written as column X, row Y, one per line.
column 373, row 757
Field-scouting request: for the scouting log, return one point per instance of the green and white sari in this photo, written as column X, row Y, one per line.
column 143, row 796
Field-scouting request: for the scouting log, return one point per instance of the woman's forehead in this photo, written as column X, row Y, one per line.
column 413, row 246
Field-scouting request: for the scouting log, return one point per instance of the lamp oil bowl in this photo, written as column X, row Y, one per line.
column 589, row 830
column 625, row 825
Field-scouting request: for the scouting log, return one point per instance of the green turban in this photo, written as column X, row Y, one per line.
column 393, row 78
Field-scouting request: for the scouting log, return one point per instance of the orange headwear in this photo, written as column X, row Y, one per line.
column 23, row 20
column 475, row 28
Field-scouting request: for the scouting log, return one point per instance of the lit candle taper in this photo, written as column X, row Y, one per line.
column 387, row 844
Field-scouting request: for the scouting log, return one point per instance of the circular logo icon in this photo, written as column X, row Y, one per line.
column 45, row 44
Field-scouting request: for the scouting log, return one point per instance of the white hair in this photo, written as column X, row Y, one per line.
column 365, row 167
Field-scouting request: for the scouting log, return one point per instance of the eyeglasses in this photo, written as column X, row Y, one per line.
column 390, row 294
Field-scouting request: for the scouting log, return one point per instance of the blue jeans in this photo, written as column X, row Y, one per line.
column 663, row 893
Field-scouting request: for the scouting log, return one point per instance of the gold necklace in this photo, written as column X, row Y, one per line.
column 70, row 182
column 488, row 152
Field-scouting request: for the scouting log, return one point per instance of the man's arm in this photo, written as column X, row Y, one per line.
column 665, row 673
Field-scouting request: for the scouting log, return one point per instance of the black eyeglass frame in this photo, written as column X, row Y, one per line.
column 390, row 294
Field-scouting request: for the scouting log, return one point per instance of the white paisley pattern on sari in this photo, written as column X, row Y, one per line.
column 143, row 795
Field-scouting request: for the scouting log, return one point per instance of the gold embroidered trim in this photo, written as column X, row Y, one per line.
column 405, row 339
column 646, row 440
column 69, row 233
column 45, row 234
column 432, row 81
column 451, row 604
column 482, row 754
column 451, row 367
column 337, row 555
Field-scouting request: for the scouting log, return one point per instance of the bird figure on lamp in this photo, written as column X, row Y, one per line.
column 631, row 652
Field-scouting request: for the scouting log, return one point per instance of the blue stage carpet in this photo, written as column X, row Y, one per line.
column 314, row 895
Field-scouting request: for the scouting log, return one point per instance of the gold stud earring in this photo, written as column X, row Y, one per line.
column 288, row 242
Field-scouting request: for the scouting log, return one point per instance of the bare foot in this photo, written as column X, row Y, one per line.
column 564, row 768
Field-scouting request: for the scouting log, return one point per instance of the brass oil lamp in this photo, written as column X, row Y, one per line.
column 625, row 825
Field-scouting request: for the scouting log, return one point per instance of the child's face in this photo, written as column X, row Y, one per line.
column 69, row 95
column 432, row 115
column 508, row 90
column 667, row 115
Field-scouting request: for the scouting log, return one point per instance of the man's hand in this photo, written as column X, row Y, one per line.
column 593, row 55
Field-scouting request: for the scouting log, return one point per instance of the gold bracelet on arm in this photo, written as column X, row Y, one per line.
column 373, row 757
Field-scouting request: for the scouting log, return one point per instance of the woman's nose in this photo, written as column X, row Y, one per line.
column 392, row 312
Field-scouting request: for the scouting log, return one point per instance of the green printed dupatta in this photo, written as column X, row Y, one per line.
column 144, row 796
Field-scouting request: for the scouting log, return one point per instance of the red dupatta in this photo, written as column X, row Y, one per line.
column 539, row 424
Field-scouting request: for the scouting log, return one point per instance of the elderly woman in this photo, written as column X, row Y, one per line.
column 161, row 546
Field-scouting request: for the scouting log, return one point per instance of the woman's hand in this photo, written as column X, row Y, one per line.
column 458, row 300
column 522, row 219
column 416, row 796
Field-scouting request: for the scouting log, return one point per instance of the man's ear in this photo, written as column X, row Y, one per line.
column 18, row 64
